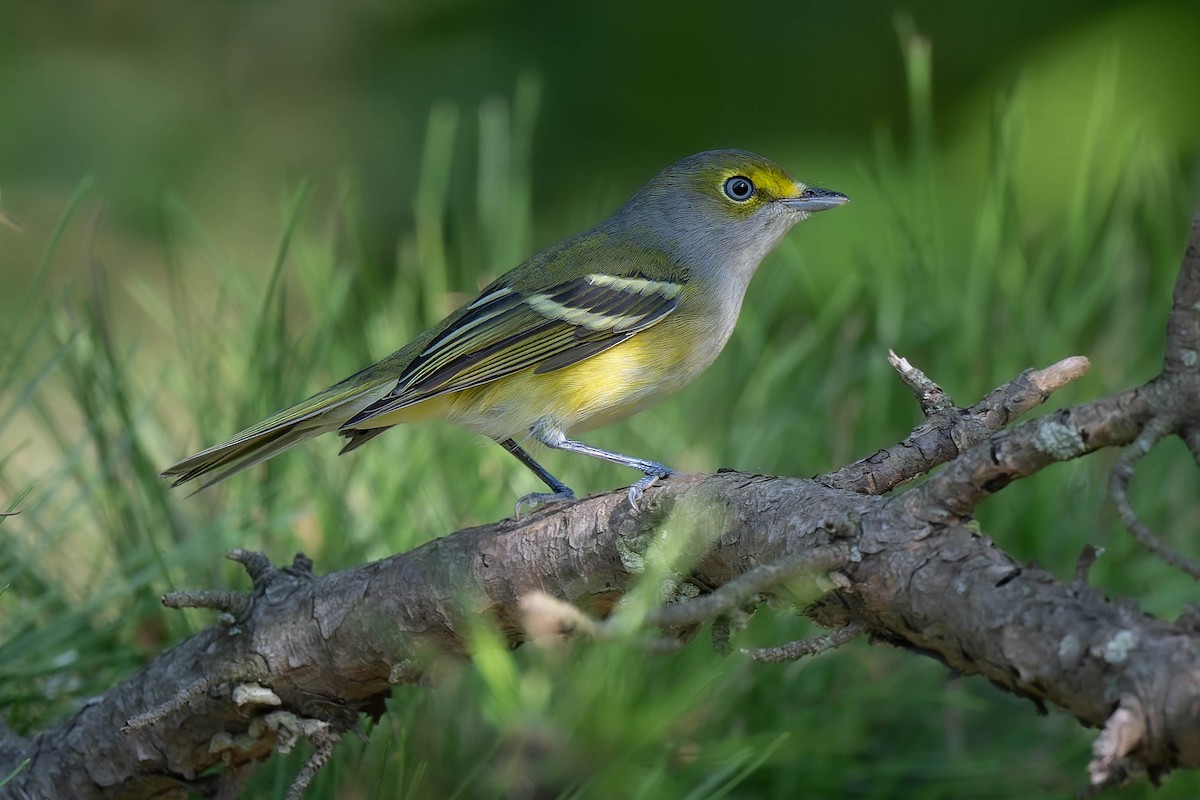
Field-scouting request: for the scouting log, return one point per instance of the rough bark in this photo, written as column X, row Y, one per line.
column 303, row 655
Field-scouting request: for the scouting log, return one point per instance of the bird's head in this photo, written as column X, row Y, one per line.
column 722, row 209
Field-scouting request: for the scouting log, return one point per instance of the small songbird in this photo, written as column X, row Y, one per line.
column 587, row 332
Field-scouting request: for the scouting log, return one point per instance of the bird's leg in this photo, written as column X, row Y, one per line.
column 560, row 491
column 553, row 437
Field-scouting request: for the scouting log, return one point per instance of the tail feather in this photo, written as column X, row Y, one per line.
column 324, row 411
column 226, row 460
column 358, row 437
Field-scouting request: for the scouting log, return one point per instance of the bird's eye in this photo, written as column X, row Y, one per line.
column 739, row 188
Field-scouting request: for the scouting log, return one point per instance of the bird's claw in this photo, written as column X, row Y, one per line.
column 644, row 483
column 535, row 499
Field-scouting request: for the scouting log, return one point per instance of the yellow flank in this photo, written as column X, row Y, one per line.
column 590, row 394
column 587, row 395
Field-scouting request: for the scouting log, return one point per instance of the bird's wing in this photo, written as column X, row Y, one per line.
column 505, row 331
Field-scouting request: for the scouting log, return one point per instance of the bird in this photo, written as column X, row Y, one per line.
column 583, row 334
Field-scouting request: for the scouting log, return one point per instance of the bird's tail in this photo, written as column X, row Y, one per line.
column 226, row 460
column 322, row 412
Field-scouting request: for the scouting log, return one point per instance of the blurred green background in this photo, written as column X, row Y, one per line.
column 213, row 209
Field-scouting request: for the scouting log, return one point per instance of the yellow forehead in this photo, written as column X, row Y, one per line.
column 771, row 181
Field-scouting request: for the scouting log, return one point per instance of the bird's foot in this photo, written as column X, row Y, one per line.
column 535, row 499
column 649, row 479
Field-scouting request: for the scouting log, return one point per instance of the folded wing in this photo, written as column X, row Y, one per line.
column 505, row 331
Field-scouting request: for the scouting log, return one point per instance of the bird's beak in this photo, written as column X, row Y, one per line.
column 814, row 199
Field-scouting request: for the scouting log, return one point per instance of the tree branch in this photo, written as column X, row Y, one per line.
column 947, row 431
column 1183, row 323
column 1118, row 486
column 814, row 645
